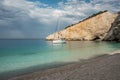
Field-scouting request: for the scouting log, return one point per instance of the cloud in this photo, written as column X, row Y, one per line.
column 27, row 19
column 16, row 22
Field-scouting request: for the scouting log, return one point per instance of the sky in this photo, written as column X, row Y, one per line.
column 38, row 18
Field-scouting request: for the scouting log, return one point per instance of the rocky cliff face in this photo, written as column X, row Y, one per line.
column 91, row 29
column 114, row 33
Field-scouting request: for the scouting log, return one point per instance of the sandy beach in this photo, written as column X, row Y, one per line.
column 103, row 67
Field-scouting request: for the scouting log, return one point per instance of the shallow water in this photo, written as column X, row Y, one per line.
column 21, row 54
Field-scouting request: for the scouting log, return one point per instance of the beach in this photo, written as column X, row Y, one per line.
column 102, row 67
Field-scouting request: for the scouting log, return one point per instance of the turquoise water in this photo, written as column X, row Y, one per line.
column 21, row 54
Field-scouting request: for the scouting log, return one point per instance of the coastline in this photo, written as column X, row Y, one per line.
column 101, row 67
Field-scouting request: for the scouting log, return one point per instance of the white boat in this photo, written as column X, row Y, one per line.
column 58, row 38
column 59, row 41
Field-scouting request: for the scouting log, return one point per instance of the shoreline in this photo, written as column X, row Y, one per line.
column 101, row 67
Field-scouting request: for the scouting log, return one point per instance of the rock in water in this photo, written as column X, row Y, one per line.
column 92, row 28
column 114, row 33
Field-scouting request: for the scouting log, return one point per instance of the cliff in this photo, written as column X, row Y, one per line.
column 114, row 32
column 90, row 29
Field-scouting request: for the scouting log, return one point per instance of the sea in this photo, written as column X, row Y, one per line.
column 22, row 56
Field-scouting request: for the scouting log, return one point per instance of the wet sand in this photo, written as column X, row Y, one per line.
column 103, row 67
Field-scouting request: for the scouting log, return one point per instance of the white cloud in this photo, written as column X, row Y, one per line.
column 73, row 8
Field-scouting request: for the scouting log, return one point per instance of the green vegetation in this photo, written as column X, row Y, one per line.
column 100, row 12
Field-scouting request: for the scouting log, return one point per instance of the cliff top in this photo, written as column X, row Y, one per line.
column 93, row 15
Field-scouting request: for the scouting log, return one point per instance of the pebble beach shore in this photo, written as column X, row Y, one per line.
column 103, row 67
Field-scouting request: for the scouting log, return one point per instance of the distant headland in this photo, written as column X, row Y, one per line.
column 100, row 26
